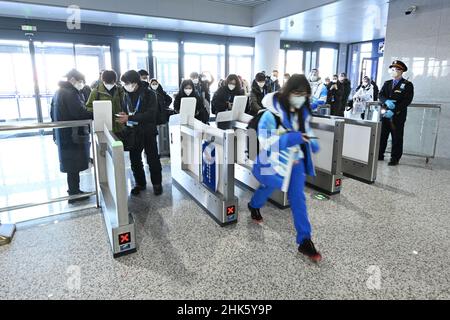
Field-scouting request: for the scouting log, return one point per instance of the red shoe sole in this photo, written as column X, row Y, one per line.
column 316, row 259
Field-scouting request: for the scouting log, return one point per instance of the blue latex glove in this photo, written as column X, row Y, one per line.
column 315, row 146
column 390, row 104
column 389, row 114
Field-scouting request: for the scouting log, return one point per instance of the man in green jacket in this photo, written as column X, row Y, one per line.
column 108, row 90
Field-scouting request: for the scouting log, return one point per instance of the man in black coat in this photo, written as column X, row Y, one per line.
column 140, row 114
column 347, row 89
column 396, row 94
column 68, row 104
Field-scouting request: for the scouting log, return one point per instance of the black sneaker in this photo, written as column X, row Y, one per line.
column 393, row 163
column 157, row 190
column 137, row 190
column 72, row 201
column 308, row 249
column 255, row 213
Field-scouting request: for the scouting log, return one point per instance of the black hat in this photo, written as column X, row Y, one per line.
column 399, row 64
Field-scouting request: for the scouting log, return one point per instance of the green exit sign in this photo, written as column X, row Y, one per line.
column 29, row 28
column 150, row 37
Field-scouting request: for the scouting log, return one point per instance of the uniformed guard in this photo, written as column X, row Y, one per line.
column 396, row 94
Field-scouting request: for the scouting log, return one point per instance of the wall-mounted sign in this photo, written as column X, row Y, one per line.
column 150, row 37
column 29, row 28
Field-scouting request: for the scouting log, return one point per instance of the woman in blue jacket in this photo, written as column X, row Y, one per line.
column 284, row 135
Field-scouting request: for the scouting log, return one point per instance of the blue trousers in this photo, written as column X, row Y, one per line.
column 296, row 198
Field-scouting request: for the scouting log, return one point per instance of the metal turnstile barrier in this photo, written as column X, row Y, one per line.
column 111, row 182
column 163, row 140
column 328, row 161
column 360, row 149
column 187, row 137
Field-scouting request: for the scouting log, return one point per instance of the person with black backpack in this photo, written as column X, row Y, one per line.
column 287, row 144
column 140, row 114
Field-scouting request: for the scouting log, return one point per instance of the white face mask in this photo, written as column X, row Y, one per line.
column 273, row 78
column 365, row 84
column 130, row 87
column 109, row 86
column 79, row 85
column 334, row 81
column 297, row 102
column 187, row 92
column 261, row 84
column 394, row 73
column 314, row 78
column 195, row 81
column 231, row 87
column 155, row 86
column 341, row 79
column 204, row 78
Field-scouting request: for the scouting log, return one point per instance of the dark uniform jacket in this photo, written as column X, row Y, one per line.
column 403, row 94
column 73, row 143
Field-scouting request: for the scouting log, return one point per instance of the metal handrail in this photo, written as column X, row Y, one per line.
column 56, row 125
column 46, row 125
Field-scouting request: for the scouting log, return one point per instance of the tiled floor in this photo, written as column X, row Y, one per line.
column 397, row 229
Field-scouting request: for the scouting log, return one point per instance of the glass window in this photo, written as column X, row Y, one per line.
column 133, row 55
column 203, row 57
column 17, row 99
column 90, row 60
column 327, row 62
column 54, row 60
column 241, row 62
column 165, row 55
column 294, row 62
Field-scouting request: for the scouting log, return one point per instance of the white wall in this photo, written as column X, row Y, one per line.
column 422, row 41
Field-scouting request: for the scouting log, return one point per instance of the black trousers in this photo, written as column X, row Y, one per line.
column 148, row 144
column 73, row 182
column 396, row 128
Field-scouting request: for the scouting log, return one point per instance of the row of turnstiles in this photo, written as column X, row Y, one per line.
column 208, row 161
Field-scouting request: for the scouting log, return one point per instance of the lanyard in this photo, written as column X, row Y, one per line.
column 136, row 109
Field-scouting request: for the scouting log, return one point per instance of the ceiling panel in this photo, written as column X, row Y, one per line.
column 344, row 21
column 246, row 3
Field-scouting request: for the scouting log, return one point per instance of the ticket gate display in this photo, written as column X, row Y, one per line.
column 202, row 163
column 111, row 180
